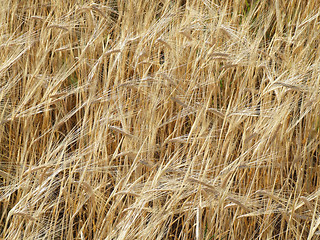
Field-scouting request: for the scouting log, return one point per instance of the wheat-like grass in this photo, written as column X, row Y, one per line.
column 159, row 119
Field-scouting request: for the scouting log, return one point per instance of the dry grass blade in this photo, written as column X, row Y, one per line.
column 121, row 131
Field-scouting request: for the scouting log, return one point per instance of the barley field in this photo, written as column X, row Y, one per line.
column 159, row 119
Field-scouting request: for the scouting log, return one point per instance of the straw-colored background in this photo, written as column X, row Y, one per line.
column 159, row 119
